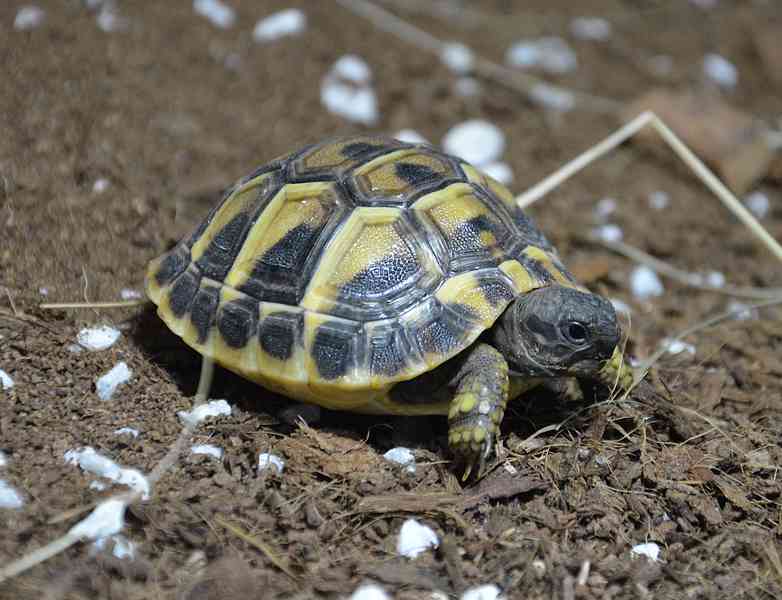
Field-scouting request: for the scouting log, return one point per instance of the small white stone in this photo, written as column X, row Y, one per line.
column 280, row 24
column 129, row 294
column 673, row 346
column 650, row 550
column 266, row 460
column 590, row 28
column 401, row 456
column 98, row 338
column 552, row 97
column 500, row 171
column 604, row 208
column 476, row 141
column 122, row 547
column 107, row 519
column 411, row 136
column 3, row 459
column 353, row 68
column 539, row 567
column 354, row 104
column 107, row 384
column 715, row 279
column 9, row 497
column 100, row 185
column 126, row 431
column 415, row 538
column 509, row 468
column 28, row 17
column 659, row 200
column 483, row 592
column 620, row 306
column 6, row 383
column 369, row 591
column 467, row 87
column 43, row 291
column 608, row 233
column 551, row 54
column 758, row 204
column 457, row 57
column 720, row 70
column 109, row 19
column 644, row 283
column 742, row 311
column 207, row 449
column 97, row 464
column 213, row 408
column 219, row 13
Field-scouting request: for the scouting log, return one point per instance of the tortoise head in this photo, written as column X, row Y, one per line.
column 558, row 331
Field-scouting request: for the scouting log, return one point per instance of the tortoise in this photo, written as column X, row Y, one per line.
column 370, row 275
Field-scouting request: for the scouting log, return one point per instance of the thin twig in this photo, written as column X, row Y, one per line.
column 528, row 85
column 117, row 304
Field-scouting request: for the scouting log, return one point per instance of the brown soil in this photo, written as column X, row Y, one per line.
column 689, row 461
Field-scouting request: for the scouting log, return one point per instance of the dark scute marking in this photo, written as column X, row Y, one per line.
column 182, row 293
column 381, row 275
column 387, row 357
column 219, row 255
column 331, row 350
column 416, row 174
column 287, row 253
column 171, row 267
column 440, row 336
column 496, row 293
column 467, row 237
column 530, row 231
column 536, row 268
column 361, row 150
column 204, row 310
column 237, row 322
column 278, row 333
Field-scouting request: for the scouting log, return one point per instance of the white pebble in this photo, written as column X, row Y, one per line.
column 6, row 383
column 476, row 141
column 213, row 408
column 500, row 171
column 353, row 69
column 369, row 591
column 207, row 449
column 673, row 346
column 357, row 104
column 620, row 306
column 552, row 97
column 415, row 538
column 467, row 87
column 742, row 311
column 457, row 57
column 604, row 208
column 758, row 204
column 100, row 185
column 401, row 456
column 645, row 283
column 720, row 70
column 539, row 567
column 109, row 20
column 551, row 54
column 3, row 459
column 715, row 279
column 122, row 547
column 220, row 14
column 98, row 338
column 650, row 550
column 97, row 464
column 608, row 233
column 129, row 294
column 483, row 592
column 411, row 136
column 43, row 291
column 107, row 519
column 590, row 28
column 266, row 460
column 280, row 24
column 659, row 200
column 126, row 431
column 9, row 497
column 107, row 384
column 28, row 17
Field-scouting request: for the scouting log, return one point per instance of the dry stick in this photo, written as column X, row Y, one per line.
column 70, row 538
column 694, row 280
column 690, row 159
column 530, row 86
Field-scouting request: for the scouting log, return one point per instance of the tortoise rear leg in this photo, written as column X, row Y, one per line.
column 204, row 381
column 478, row 406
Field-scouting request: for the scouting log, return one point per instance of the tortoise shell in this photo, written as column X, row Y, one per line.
column 336, row 272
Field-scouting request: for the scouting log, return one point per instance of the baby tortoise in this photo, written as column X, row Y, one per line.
column 371, row 275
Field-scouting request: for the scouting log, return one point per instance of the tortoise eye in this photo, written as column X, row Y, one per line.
column 576, row 333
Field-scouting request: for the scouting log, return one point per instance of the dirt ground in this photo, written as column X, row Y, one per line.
column 689, row 460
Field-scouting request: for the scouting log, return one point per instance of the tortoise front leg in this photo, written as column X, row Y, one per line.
column 478, row 406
